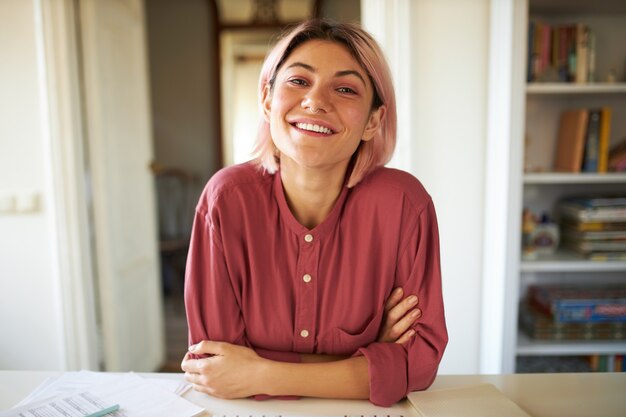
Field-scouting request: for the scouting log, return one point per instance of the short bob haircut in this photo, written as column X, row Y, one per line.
column 370, row 154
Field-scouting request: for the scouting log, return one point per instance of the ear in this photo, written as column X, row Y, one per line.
column 374, row 123
column 267, row 102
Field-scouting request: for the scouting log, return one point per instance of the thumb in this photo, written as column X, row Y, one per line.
column 207, row 347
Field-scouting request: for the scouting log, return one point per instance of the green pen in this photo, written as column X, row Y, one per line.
column 104, row 411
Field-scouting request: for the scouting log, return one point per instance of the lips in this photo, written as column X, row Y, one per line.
column 314, row 126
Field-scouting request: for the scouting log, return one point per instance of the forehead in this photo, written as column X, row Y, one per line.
column 325, row 54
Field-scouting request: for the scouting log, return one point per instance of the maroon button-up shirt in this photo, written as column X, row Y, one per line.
column 257, row 277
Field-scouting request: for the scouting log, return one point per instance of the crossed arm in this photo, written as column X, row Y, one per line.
column 236, row 371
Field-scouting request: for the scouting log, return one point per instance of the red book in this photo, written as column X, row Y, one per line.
column 571, row 141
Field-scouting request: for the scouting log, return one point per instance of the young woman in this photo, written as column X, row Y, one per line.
column 307, row 264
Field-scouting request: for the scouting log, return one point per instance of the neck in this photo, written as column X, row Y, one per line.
column 311, row 192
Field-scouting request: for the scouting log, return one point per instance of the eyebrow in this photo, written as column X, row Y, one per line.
column 337, row 74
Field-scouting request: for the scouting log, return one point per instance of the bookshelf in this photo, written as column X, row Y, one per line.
column 541, row 188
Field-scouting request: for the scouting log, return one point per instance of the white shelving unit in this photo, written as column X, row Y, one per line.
column 528, row 347
column 562, row 88
column 565, row 178
column 541, row 188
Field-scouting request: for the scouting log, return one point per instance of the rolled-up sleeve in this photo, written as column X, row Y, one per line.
column 394, row 369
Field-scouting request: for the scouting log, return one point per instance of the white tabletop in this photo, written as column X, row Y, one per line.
column 540, row 395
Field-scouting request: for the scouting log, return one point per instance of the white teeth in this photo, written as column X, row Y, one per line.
column 314, row 128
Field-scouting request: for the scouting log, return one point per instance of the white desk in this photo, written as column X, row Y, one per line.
column 541, row 395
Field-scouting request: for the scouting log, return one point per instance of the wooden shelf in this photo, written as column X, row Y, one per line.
column 578, row 178
column 572, row 88
column 529, row 347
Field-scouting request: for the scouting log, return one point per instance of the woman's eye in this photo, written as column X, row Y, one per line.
column 346, row 90
column 298, row 81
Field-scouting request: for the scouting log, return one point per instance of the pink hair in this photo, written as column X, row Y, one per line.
column 370, row 154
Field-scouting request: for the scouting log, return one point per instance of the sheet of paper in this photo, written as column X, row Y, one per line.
column 76, row 405
column 69, row 382
column 483, row 400
column 137, row 397
column 172, row 385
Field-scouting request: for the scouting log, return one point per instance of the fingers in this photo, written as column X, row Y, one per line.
column 401, row 309
column 402, row 327
column 194, row 366
column 208, row 347
column 406, row 337
column 394, row 298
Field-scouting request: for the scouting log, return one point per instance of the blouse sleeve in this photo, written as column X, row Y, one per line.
column 395, row 370
column 213, row 310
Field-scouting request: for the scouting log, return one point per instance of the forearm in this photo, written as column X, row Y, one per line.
column 347, row 378
column 319, row 357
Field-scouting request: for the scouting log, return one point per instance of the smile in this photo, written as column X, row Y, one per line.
column 314, row 128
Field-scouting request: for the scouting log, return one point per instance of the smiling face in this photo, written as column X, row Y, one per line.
column 320, row 106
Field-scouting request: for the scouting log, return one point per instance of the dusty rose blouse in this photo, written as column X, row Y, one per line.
column 257, row 277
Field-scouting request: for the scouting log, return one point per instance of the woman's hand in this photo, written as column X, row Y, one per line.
column 400, row 315
column 232, row 372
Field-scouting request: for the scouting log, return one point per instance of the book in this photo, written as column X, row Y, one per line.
column 571, row 52
column 604, row 256
column 575, row 211
column 593, row 226
column 604, row 139
column 592, row 142
column 530, row 52
column 573, row 234
column 597, row 202
column 562, row 61
column 469, row 401
column 585, row 247
column 617, row 157
column 536, row 324
column 582, row 40
column 583, row 210
column 591, row 57
column 571, row 140
column 580, row 304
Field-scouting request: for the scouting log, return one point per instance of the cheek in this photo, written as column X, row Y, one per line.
column 281, row 100
column 357, row 117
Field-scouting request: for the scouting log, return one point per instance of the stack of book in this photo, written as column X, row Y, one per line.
column 594, row 227
column 561, row 53
column 559, row 312
column 583, row 140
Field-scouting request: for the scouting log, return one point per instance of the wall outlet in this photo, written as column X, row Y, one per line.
column 27, row 202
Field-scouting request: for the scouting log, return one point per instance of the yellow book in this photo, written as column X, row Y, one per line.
column 605, row 138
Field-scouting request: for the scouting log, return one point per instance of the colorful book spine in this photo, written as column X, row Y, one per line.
column 582, row 52
column 531, row 52
column 589, row 311
column 604, row 139
column 592, row 142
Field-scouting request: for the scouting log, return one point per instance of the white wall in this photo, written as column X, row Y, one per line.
column 30, row 322
column 438, row 52
column 450, row 46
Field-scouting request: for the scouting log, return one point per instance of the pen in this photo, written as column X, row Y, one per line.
column 104, row 411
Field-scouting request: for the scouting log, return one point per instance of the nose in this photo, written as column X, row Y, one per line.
column 316, row 100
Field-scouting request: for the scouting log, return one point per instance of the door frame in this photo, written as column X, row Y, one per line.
column 67, row 186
